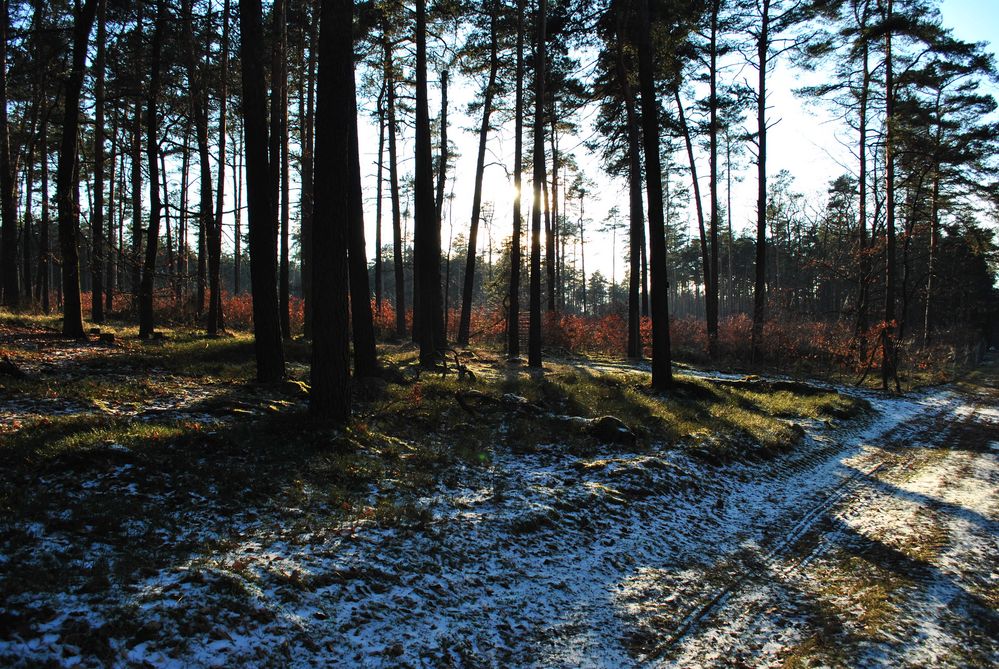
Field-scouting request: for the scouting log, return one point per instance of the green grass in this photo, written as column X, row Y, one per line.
column 408, row 430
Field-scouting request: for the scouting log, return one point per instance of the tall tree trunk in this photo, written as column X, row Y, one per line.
column 198, row 101
column 551, row 239
column 888, row 370
column 171, row 266
column 216, row 318
column 111, row 269
column 308, row 187
column 279, row 123
column 662, row 374
column 44, row 247
column 237, row 218
column 97, row 215
column 152, row 155
column 468, row 287
column 379, row 190
column 760, row 287
column 365, row 358
column 442, row 171
column 711, row 286
column 513, row 309
column 29, row 183
column 698, row 205
column 932, row 260
column 329, row 398
column 397, row 249
column 260, row 195
column 8, row 204
column 427, row 247
column 635, row 210
column 534, row 323
column 179, row 284
column 67, row 185
column 864, row 271
column 136, row 159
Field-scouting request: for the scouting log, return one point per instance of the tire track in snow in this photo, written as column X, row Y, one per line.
column 747, row 566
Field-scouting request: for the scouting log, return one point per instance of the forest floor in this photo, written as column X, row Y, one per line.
column 158, row 509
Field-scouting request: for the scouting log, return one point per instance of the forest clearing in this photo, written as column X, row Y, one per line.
column 159, row 509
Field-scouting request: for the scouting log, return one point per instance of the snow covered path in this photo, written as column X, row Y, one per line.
column 872, row 543
column 897, row 569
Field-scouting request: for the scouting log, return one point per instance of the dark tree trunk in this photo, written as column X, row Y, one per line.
column 534, row 322
column 308, row 186
column 29, row 184
column 206, row 213
column 864, row 270
column 365, row 357
column 397, row 250
column 97, row 214
column 760, row 287
column 888, row 369
column 442, row 171
column 279, row 125
column 44, row 247
column 711, row 287
column 551, row 238
column 136, row 158
column 111, row 266
column 662, row 374
column 468, row 288
column 636, row 213
column 513, row 309
column 216, row 320
column 67, row 186
column 8, row 203
column 237, row 218
column 429, row 319
column 329, row 398
column 152, row 156
column 260, row 196
column 378, row 199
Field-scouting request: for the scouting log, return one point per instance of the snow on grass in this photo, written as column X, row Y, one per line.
column 539, row 558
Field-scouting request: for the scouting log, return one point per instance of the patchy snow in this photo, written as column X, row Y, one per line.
column 546, row 558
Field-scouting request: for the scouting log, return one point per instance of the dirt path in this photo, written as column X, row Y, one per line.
column 893, row 567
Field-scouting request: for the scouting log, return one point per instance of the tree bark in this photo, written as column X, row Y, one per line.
column 888, row 370
column 513, row 308
column 110, row 266
column 379, row 183
column 636, row 212
column 67, row 186
column 534, row 323
column 260, row 195
column 216, row 319
column 278, row 129
column 429, row 319
column 662, row 375
column 8, row 204
column 760, row 286
column 329, row 398
column 44, row 247
column 308, row 185
column 152, row 156
column 97, row 215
